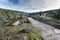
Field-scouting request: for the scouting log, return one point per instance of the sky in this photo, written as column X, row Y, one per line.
column 30, row 5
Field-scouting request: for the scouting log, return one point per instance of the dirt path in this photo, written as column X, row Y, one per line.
column 46, row 31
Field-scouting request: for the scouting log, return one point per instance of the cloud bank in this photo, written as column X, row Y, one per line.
column 30, row 5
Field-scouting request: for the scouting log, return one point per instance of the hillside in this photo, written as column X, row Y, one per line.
column 15, row 26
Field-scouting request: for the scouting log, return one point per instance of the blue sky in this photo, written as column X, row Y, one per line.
column 14, row 1
column 30, row 5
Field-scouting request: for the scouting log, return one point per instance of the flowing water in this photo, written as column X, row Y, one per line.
column 46, row 31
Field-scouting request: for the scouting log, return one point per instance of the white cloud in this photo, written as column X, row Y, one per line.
column 32, row 6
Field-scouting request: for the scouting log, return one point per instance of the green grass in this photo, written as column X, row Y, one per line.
column 52, row 19
column 11, row 33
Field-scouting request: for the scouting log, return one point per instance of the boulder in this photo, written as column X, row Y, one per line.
column 25, row 30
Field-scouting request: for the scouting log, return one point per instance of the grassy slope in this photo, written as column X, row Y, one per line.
column 52, row 19
column 14, row 32
column 7, row 33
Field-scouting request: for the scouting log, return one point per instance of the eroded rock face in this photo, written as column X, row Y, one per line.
column 18, row 22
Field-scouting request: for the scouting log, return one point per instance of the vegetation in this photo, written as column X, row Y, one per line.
column 54, row 16
column 51, row 16
column 12, row 32
column 8, row 16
